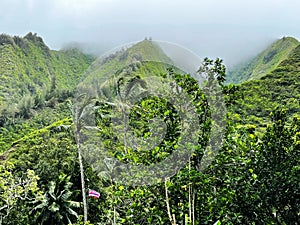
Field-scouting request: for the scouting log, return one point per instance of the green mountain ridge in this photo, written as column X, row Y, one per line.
column 30, row 71
column 278, row 88
column 144, row 51
column 263, row 63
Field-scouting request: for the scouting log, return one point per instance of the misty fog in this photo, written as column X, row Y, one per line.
column 232, row 30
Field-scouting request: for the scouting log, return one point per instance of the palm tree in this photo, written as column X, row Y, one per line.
column 76, row 117
column 56, row 207
column 80, row 112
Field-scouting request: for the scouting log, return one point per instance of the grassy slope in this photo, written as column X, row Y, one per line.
column 263, row 63
column 142, row 51
column 280, row 87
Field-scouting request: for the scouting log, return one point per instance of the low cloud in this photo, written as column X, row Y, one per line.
column 230, row 29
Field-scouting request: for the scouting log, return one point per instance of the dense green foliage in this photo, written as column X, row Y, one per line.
column 254, row 179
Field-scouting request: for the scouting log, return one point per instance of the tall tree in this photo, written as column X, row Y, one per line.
column 83, row 114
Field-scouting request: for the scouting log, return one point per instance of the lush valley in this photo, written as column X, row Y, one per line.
column 252, row 180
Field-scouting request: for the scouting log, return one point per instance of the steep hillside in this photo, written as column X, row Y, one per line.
column 263, row 63
column 31, row 73
column 109, row 64
column 280, row 87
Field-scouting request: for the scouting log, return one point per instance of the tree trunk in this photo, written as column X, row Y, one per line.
column 82, row 180
column 171, row 217
column 190, row 193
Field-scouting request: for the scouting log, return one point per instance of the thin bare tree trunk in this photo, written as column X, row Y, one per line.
column 125, row 130
column 114, row 215
column 193, row 208
column 171, row 217
column 82, row 179
column 190, row 193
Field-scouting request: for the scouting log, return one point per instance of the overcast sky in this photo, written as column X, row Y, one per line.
column 230, row 29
